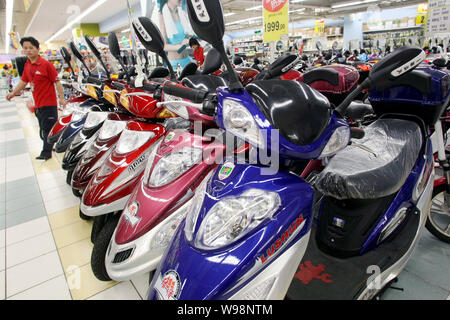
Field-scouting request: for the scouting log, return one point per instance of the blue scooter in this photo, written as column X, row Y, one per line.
column 248, row 232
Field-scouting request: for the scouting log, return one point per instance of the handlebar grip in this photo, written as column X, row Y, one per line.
column 119, row 85
column 151, row 87
column 195, row 95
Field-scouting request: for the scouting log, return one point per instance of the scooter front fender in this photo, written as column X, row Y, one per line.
column 188, row 272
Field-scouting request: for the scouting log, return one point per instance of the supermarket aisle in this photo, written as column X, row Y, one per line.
column 45, row 247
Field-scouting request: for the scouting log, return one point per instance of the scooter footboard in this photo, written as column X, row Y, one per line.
column 248, row 229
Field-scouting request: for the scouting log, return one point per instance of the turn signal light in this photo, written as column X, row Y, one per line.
column 109, row 96
column 124, row 100
column 92, row 92
column 164, row 114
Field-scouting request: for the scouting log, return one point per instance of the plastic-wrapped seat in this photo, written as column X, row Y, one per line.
column 375, row 166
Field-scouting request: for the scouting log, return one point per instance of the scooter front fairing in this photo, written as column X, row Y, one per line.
column 99, row 150
column 111, row 186
column 160, row 202
column 239, row 222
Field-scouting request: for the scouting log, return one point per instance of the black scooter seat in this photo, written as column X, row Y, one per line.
column 375, row 166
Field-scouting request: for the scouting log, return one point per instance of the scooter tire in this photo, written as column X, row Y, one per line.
column 69, row 177
column 97, row 226
column 430, row 226
column 84, row 217
column 101, row 246
column 76, row 193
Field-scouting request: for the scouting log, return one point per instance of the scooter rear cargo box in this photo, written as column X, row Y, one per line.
column 334, row 81
column 423, row 92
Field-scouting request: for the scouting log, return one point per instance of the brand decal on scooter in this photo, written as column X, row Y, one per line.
column 131, row 212
column 281, row 241
column 136, row 163
column 308, row 272
column 170, row 137
column 226, row 170
column 170, row 286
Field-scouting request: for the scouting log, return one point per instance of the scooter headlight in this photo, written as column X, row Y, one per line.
column 338, row 141
column 94, row 119
column 111, row 128
column 240, row 122
column 132, row 140
column 173, row 165
column 233, row 217
column 168, row 228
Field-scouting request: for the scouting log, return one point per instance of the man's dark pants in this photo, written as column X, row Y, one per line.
column 47, row 117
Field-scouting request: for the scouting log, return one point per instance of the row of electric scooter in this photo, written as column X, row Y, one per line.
column 247, row 185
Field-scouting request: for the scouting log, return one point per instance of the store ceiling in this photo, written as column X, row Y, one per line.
column 45, row 17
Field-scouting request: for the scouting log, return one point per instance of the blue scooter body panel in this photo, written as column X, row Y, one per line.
column 219, row 273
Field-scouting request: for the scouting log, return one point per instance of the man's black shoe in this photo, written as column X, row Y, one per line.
column 43, row 158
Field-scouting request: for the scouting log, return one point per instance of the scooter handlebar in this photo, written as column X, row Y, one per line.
column 195, row 95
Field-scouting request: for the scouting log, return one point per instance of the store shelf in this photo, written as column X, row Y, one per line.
column 394, row 29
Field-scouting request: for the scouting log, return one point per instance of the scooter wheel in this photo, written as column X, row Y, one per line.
column 97, row 226
column 84, row 217
column 101, row 246
column 431, row 225
column 69, row 177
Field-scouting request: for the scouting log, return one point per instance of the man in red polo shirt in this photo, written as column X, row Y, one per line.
column 43, row 77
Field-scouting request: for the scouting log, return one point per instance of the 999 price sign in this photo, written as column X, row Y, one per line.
column 276, row 19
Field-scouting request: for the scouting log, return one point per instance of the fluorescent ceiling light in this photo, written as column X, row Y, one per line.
column 298, row 10
column 297, row 1
column 350, row 4
column 77, row 19
column 229, row 14
column 254, row 8
column 244, row 20
column 126, row 30
column 9, row 17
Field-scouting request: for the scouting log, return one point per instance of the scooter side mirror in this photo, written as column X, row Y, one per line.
column 151, row 39
column 396, row 64
column 78, row 55
column 149, row 35
column 282, row 65
column 96, row 53
column 92, row 47
column 207, row 21
column 213, row 61
column 114, row 47
column 206, row 17
column 66, row 55
column 399, row 62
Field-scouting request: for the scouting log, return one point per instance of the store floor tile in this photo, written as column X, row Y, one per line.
column 27, row 230
column 31, row 273
column 2, row 285
column 77, row 254
column 29, row 249
column 24, row 215
column 53, row 289
column 83, row 284
column 65, row 217
column 121, row 291
column 72, row 233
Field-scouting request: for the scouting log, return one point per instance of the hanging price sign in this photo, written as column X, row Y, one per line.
column 422, row 11
column 320, row 27
column 276, row 19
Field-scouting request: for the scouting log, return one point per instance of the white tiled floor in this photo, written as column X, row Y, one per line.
column 27, row 230
column 53, row 289
column 32, row 273
column 122, row 291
